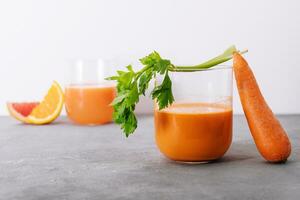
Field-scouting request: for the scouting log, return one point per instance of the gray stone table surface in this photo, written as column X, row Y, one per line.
column 64, row 161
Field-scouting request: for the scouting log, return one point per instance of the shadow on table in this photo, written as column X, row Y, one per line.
column 240, row 152
column 55, row 123
column 65, row 123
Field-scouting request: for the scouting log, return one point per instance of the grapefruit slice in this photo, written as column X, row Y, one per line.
column 20, row 111
column 40, row 113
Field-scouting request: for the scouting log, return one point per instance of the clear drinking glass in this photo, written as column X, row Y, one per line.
column 197, row 127
column 88, row 95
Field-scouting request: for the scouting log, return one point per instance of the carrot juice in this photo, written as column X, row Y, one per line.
column 194, row 131
column 89, row 104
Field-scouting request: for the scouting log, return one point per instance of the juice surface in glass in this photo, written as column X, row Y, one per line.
column 194, row 131
column 90, row 104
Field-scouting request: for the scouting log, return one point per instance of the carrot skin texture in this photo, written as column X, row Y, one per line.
column 269, row 136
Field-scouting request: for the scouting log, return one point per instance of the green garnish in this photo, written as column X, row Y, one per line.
column 131, row 84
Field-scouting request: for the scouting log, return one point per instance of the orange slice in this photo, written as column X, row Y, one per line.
column 50, row 108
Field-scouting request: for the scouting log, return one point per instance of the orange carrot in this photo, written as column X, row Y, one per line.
column 270, row 138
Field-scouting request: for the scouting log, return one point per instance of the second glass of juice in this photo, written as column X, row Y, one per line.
column 88, row 95
column 197, row 127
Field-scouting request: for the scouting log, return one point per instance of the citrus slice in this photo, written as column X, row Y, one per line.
column 20, row 111
column 39, row 113
column 49, row 109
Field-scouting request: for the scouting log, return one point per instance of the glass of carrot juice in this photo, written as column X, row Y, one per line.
column 88, row 95
column 197, row 127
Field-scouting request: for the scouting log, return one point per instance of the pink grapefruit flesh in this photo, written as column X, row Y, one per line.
column 20, row 111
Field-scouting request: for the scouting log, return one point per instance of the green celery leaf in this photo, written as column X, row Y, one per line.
column 163, row 93
column 120, row 98
column 144, row 81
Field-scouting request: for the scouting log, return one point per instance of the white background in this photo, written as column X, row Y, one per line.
column 38, row 38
